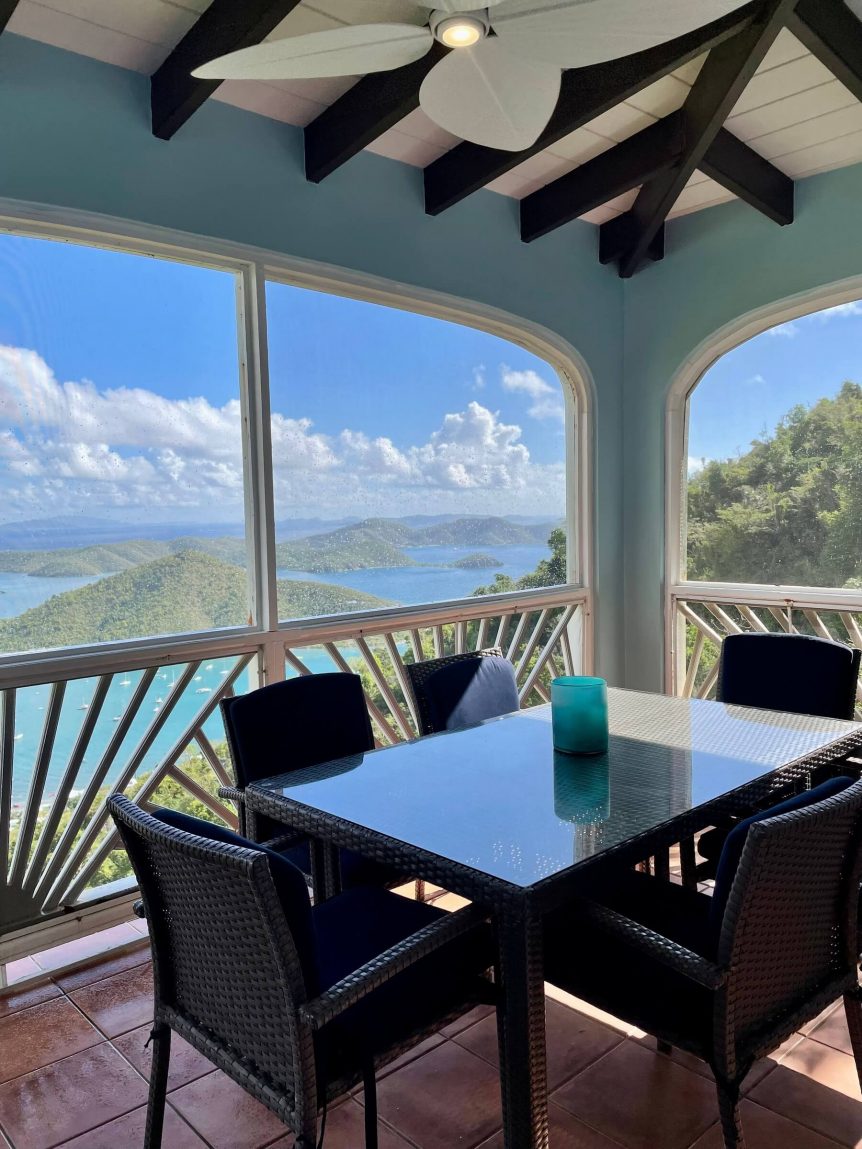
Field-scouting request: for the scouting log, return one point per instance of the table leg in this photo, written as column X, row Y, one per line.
column 521, row 1029
column 325, row 870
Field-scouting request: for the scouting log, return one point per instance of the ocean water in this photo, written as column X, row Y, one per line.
column 429, row 582
column 434, row 579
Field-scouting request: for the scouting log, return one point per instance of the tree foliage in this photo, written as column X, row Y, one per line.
column 788, row 511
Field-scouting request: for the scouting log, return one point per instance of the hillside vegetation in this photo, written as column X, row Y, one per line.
column 789, row 510
column 186, row 592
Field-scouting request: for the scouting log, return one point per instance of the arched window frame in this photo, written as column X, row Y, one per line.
column 684, row 383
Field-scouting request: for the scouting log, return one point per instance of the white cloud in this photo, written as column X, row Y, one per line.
column 758, row 378
column 840, row 311
column 69, row 446
column 547, row 398
column 784, row 330
column 696, row 463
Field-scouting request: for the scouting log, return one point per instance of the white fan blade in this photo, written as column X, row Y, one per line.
column 352, row 50
column 574, row 33
column 456, row 5
column 489, row 96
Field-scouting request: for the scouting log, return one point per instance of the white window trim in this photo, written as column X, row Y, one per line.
column 686, row 379
column 254, row 266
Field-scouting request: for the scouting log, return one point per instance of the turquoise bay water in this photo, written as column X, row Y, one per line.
column 432, row 581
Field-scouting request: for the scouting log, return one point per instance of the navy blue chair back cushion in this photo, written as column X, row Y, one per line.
column 297, row 723
column 289, row 882
column 728, row 863
column 467, row 692
column 794, row 672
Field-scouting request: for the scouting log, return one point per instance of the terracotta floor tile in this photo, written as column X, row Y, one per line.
column 448, row 1097
column 34, row 1037
column 832, row 1030
column 128, row 1133
column 119, row 1003
column 345, row 1129
column 417, row 1051
column 186, row 1063
column 17, row 999
column 592, row 1011
column 574, row 1041
column 758, row 1072
column 224, row 1114
column 566, row 1133
column 641, row 1099
column 816, row 1086
column 766, row 1130
column 85, row 947
column 825, row 1065
column 469, row 1018
column 69, row 1097
column 103, row 967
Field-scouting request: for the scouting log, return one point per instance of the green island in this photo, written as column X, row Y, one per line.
column 189, row 591
column 374, row 543
column 477, row 561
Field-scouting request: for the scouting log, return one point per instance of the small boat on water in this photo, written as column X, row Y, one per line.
column 204, row 690
column 198, row 677
column 84, row 706
column 126, row 682
column 18, row 737
column 209, row 666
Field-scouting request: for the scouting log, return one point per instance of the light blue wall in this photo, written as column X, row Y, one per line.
column 720, row 264
column 76, row 133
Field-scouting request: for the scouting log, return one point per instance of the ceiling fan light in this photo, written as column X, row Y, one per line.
column 460, row 31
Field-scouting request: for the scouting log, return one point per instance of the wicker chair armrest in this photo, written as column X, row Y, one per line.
column 670, row 953
column 232, row 794
column 381, row 969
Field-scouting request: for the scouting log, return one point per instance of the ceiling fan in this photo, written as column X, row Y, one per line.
column 500, row 83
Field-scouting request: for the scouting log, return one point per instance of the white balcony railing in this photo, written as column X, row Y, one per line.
column 145, row 720
column 703, row 614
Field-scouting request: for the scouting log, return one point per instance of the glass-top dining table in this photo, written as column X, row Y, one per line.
column 493, row 813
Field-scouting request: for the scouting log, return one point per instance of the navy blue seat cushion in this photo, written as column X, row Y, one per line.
column 360, row 924
column 469, row 691
column 734, row 844
column 794, row 672
column 288, row 878
column 356, row 869
column 605, row 971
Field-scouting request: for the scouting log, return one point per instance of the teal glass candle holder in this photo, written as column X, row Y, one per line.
column 582, row 790
column 579, row 714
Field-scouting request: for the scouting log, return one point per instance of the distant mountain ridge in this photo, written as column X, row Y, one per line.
column 373, row 542
column 189, row 591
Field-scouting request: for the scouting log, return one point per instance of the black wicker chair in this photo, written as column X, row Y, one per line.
column 791, row 672
column 296, row 1004
column 729, row 978
column 292, row 724
column 462, row 689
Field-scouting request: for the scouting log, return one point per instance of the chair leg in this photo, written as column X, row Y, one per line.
column 369, row 1082
column 853, row 1012
column 419, row 892
column 688, row 863
column 161, row 1039
column 728, row 1107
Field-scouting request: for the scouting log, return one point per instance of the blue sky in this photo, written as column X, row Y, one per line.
column 119, row 397
column 743, row 395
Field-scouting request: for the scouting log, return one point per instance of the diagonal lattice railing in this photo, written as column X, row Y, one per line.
column 541, row 635
column 71, row 736
column 704, row 617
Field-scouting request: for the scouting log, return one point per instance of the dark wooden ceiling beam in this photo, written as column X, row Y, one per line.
column 371, row 107
column 226, row 26
column 7, row 7
column 739, row 168
column 832, row 33
column 616, row 237
column 585, row 94
column 609, row 175
column 722, row 80
column 641, row 158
